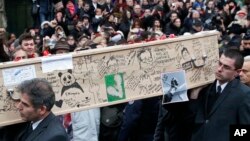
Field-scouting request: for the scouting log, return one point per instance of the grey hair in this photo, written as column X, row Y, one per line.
column 39, row 91
column 247, row 58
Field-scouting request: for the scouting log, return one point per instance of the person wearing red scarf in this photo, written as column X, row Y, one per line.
column 71, row 12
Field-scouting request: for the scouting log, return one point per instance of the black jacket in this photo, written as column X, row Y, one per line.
column 139, row 121
column 50, row 129
column 232, row 107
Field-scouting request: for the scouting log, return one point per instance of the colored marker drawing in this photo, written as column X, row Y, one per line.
column 115, row 87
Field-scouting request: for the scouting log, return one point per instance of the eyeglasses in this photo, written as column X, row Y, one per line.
column 226, row 67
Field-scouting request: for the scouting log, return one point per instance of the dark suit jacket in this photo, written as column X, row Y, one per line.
column 160, row 127
column 11, row 132
column 108, row 8
column 50, row 129
column 139, row 120
column 232, row 107
column 175, row 122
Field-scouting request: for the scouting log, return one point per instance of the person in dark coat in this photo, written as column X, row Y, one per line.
column 211, row 109
column 197, row 26
column 97, row 19
column 3, row 55
column 85, row 10
column 45, row 12
column 210, row 10
column 36, row 101
column 245, row 44
column 126, row 22
column 222, row 103
column 173, row 123
column 70, row 14
column 108, row 6
column 147, row 20
column 77, row 31
column 140, row 119
column 175, row 27
column 189, row 20
column 59, row 18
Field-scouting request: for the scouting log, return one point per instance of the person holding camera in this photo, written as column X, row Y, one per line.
column 189, row 20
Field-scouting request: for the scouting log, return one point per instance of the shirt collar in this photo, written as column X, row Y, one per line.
column 35, row 124
column 222, row 86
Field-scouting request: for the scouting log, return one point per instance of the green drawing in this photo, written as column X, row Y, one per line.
column 115, row 87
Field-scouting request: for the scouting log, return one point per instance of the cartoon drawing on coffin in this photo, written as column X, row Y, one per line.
column 68, row 81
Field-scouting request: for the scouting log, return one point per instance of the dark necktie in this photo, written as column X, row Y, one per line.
column 30, row 129
column 213, row 98
column 218, row 90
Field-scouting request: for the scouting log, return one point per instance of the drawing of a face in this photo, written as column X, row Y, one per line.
column 112, row 65
column 185, row 54
column 145, row 58
column 67, row 79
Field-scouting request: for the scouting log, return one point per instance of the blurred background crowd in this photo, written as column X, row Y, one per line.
column 75, row 25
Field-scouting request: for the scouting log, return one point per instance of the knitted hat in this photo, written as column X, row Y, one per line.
column 61, row 45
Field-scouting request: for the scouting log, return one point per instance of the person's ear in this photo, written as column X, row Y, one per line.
column 238, row 72
column 43, row 110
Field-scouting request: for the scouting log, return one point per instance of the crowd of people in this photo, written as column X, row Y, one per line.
column 94, row 24
column 62, row 26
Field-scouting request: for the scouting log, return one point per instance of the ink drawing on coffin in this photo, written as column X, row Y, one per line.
column 174, row 87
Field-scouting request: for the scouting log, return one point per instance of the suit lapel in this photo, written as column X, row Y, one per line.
column 41, row 127
column 225, row 93
column 208, row 92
